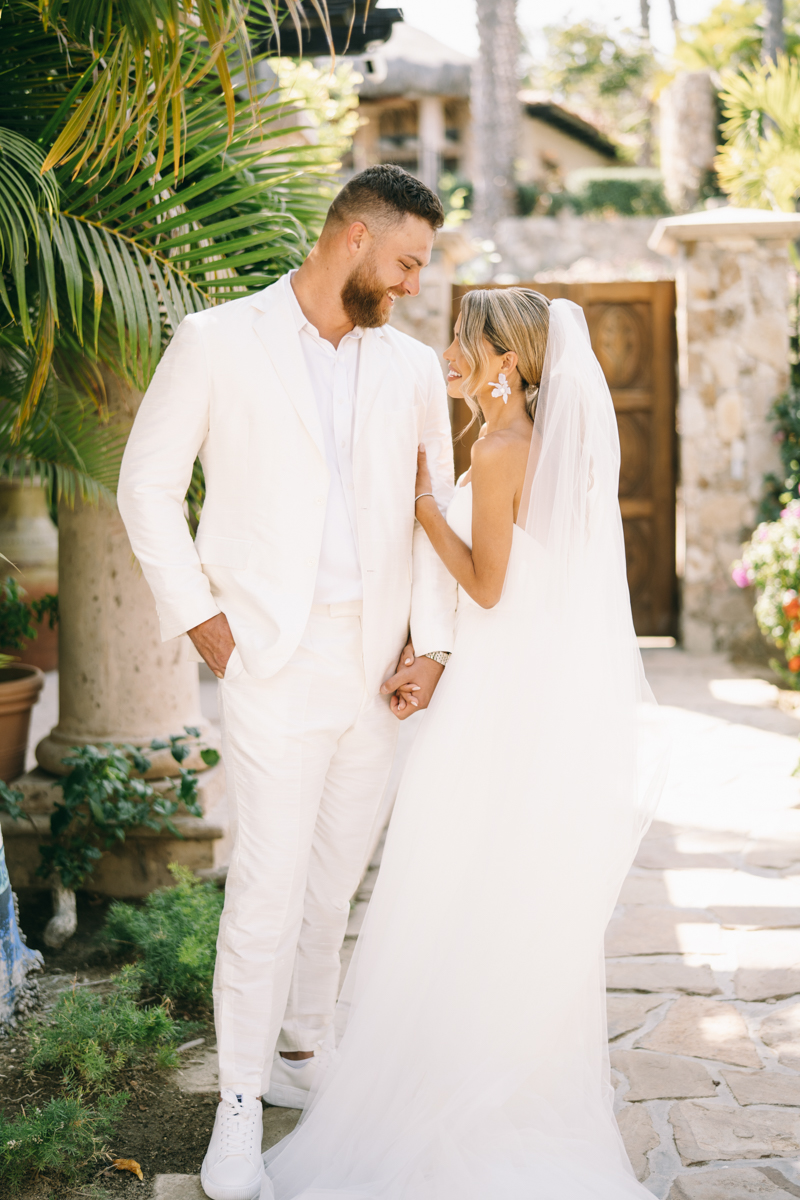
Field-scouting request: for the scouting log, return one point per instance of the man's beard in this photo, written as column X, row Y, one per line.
column 363, row 297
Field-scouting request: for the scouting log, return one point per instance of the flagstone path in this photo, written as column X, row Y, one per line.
column 703, row 966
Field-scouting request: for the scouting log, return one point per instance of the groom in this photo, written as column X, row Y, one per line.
column 306, row 580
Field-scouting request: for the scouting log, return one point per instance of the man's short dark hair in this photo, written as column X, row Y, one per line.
column 386, row 194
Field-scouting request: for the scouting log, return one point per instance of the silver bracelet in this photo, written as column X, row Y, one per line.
column 420, row 496
column 439, row 656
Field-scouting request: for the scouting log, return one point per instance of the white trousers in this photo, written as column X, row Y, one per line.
column 307, row 756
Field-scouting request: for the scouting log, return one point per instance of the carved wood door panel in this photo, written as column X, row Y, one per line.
column 632, row 327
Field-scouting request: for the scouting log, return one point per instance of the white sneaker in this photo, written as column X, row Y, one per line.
column 289, row 1086
column 232, row 1168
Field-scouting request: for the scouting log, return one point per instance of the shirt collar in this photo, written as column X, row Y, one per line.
column 300, row 319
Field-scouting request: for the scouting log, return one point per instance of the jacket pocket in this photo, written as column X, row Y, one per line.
column 223, row 551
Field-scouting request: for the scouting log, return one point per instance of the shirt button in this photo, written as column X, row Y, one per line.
column 311, row 561
column 318, row 500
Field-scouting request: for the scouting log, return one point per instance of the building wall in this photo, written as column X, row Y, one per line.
column 546, row 152
column 391, row 133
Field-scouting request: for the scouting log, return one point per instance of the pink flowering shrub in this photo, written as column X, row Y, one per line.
column 770, row 563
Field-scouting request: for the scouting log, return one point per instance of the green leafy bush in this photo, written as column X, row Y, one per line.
column 61, row 1138
column 103, row 800
column 779, row 491
column 91, row 1038
column 175, row 935
column 630, row 191
column 17, row 614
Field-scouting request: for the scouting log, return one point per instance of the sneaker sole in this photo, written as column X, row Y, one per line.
column 218, row 1191
column 283, row 1095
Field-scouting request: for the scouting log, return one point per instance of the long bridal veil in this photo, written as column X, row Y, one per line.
column 471, row 1061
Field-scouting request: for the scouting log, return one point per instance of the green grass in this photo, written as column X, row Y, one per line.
column 62, row 1138
column 91, row 1038
column 174, row 936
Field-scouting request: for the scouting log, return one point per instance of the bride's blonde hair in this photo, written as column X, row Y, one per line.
column 512, row 318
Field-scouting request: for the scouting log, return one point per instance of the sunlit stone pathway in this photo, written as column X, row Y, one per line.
column 703, row 966
column 703, row 953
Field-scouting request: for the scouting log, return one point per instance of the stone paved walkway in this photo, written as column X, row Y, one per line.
column 703, row 954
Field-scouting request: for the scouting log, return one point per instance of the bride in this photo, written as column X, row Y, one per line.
column 472, row 1060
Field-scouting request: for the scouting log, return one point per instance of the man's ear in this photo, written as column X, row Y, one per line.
column 357, row 235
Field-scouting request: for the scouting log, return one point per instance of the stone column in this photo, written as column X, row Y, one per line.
column 119, row 683
column 688, row 135
column 732, row 280
column 431, row 133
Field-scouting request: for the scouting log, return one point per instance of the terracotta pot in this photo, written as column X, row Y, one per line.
column 20, row 685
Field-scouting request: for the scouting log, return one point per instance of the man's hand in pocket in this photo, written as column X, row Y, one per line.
column 215, row 643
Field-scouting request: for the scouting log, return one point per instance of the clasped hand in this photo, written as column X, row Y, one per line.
column 412, row 684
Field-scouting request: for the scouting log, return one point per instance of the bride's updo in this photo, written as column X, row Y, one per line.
column 514, row 318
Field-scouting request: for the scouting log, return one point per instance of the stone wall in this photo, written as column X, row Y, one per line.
column 589, row 248
column 733, row 346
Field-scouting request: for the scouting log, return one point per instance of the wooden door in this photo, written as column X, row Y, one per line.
column 632, row 327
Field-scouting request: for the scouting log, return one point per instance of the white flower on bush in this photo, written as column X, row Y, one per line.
column 771, row 564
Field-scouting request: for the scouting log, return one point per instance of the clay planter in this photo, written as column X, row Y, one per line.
column 20, row 686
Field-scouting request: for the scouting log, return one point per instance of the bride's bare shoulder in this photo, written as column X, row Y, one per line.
column 504, row 451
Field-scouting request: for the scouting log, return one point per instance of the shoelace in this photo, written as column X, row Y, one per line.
column 237, row 1128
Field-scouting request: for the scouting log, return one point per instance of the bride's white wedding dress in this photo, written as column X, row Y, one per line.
column 473, row 1062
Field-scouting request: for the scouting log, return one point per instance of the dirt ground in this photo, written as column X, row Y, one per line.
column 163, row 1129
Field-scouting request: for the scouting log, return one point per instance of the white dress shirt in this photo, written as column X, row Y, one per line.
column 334, row 376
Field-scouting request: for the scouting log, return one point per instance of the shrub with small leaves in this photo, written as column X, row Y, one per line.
column 174, row 934
column 91, row 1038
column 103, row 799
column 786, row 418
column 17, row 614
column 59, row 1139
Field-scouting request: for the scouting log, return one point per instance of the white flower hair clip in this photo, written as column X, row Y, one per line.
column 501, row 388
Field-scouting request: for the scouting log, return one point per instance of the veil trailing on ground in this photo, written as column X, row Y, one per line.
column 472, row 1058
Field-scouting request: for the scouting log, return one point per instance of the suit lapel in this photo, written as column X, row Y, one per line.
column 373, row 365
column 278, row 334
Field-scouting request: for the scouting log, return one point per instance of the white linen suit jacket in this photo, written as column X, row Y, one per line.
column 233, row 388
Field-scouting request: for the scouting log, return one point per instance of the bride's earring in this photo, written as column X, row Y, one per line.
column 501, row 388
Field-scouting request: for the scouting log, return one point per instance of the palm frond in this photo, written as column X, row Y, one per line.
column 67, row 445
column 145, row 57
column 759, row 164
column 131, row 251
column 25, row 195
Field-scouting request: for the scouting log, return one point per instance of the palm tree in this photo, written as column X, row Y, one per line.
column 495, row 112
